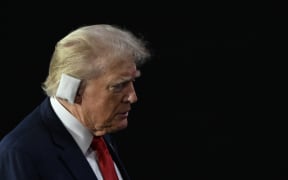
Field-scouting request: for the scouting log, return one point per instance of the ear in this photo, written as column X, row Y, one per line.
column 79, row 93
column 78, row 97
column 68, row 88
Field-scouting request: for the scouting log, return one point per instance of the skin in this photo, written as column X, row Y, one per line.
column 104, row 103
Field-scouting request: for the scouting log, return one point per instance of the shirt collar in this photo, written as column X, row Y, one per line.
column 81, row 134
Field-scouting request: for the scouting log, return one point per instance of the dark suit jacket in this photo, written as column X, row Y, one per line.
column 40, row 147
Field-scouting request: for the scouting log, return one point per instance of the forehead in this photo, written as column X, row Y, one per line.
column 116, row 73
column 125, row 66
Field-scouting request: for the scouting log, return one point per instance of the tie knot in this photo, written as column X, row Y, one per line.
column 98, row 143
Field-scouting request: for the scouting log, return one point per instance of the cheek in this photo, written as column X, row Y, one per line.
column 110, row 108
column 99, row 108
column 102, row 105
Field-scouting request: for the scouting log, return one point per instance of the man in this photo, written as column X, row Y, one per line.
column 89, row 95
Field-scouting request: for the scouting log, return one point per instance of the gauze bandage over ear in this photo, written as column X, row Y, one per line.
column 68, row 88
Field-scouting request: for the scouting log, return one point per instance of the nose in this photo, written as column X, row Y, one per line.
column 131, row 94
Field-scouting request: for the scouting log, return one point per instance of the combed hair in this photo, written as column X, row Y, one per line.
column 83, row 52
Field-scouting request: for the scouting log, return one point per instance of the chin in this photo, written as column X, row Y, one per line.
column 122, row 124
column 118, row 128
column 118, row 125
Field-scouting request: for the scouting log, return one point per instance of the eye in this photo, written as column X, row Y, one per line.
column 118, row 87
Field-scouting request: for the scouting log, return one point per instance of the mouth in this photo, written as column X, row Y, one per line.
column 124, row 115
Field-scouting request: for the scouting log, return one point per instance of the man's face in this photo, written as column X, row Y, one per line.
column 106, row 100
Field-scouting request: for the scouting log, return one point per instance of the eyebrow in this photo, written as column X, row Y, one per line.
column 126, row 79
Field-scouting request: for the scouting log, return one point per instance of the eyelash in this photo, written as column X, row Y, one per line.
column 120, row 86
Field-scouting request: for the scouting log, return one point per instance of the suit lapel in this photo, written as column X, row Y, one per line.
column 77, row 165
column 70, row 154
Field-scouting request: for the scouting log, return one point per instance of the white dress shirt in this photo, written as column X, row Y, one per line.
column 81, row 135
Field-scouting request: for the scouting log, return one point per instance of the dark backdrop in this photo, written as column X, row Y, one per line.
column 198, row 96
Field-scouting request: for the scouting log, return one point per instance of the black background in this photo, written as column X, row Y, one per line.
column 206, row 99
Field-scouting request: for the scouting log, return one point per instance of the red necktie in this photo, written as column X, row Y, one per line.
column 105, row 161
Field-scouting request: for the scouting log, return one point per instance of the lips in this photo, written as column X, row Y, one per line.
column 125, row 111
column 124, row 114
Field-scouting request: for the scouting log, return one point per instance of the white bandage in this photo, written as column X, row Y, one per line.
column 68, row 88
